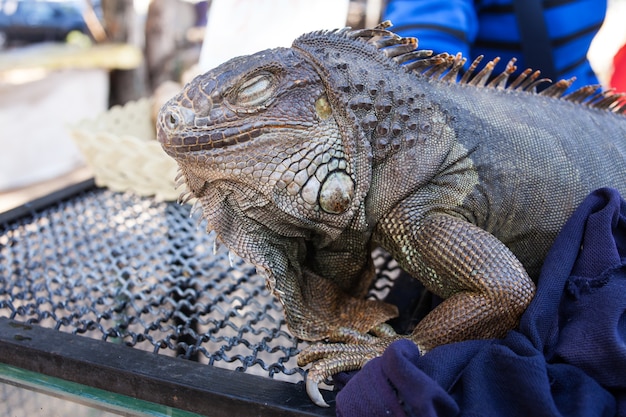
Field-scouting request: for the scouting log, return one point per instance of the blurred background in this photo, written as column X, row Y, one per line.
column 66, row 61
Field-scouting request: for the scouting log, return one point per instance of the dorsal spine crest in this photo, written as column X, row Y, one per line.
column 448, row 68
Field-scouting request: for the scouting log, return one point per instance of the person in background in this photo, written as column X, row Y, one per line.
column 552, row 36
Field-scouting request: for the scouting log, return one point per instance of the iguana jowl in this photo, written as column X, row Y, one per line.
column 304, row 159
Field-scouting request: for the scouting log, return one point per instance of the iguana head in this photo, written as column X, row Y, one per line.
column 260, row 134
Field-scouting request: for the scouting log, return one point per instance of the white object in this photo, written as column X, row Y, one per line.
column 242, row 27
column 35, row 143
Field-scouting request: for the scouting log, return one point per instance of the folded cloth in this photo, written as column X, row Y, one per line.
column 567, row 357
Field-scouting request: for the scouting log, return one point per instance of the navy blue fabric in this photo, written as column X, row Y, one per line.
column 567, row 358
column 489, row 28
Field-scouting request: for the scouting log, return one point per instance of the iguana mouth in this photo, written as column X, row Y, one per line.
column 176, row 138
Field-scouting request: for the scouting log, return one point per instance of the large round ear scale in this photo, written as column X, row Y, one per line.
column 336, row 193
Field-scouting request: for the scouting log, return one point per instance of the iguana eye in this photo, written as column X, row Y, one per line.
column 255, row 91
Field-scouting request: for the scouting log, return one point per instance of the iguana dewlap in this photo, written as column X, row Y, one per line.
column 304, row 159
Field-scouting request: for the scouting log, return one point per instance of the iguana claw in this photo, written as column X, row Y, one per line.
column 325, row 368
column 313, row 391
column 329, row 359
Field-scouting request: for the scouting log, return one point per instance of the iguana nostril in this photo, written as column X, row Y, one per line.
column 172, row 121
column 178, row 117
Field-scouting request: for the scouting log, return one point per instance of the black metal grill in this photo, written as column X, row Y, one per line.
column 142, row 273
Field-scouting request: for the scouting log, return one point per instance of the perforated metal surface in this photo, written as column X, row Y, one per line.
column 134, row 271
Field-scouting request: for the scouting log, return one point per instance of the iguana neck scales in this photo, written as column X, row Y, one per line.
column 306, row 158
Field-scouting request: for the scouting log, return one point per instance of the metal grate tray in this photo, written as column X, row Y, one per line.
column 90, row 263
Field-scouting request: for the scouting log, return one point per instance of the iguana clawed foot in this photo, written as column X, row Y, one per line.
column 354, row 351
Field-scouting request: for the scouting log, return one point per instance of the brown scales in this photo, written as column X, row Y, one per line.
column 442, row 208
column 448, row 67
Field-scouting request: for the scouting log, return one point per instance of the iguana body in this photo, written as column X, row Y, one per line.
column 305, row 159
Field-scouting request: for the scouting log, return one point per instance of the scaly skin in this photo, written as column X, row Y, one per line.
column 304, row 159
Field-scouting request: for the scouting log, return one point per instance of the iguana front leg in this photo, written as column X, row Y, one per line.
column 317, row 309
column 485, row 288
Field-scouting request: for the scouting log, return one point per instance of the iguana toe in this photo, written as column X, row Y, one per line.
column 329, row 359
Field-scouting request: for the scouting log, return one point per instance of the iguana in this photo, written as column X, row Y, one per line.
column 305, row 159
